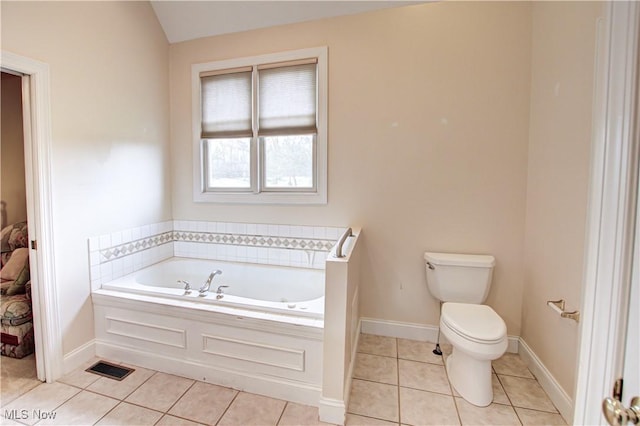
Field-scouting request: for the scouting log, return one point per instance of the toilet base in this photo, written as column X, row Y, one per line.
column 470, row 377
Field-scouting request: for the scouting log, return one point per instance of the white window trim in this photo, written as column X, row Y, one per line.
column 270, row 196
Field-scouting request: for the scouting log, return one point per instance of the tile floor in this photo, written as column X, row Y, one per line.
column 400, row 381
column 396, row 381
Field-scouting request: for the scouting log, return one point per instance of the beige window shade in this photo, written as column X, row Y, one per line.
column 287, row 100
column 226, row 105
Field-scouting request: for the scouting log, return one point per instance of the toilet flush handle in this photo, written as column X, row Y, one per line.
column 430, row 266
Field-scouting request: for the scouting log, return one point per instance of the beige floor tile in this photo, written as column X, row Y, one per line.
column 526, row 393
column 355, row 420
column 493, row 414
column 427, row 408
column 204, row 403
column 168, row 420
column 85, row 408
column 160, row 391
column 424, row 376
column 80, row 378
column 537, row 418
column 127, row 414
column 415, row 350
column 374, row 400
column 300, row 415
column 250, row 409
column 376, row 368
column 511, row 365
column 41, row 399
column 120, row 389
column 377, row 345
column 499, row 395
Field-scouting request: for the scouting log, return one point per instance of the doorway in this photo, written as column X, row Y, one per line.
column 36, row 116
column 19, row 372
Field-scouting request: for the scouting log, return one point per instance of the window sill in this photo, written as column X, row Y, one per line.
column 261, row 198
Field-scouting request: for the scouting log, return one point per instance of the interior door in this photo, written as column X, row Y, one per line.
column 610, row 331
column 623, row 405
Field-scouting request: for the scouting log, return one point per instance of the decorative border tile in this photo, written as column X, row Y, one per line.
column 290, row 243
column 135, row 246
column 120, row 253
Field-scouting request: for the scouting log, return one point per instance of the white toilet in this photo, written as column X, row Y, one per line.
column 476, row 332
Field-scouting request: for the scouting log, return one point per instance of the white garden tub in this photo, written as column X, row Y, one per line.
column 275, row 289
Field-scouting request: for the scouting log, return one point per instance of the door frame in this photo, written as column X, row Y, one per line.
column 36, row 91
column 611, row 211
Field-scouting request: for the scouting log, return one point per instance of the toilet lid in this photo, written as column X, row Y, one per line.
column 479, row 323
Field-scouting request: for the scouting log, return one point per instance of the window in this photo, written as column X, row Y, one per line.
column 260, row 129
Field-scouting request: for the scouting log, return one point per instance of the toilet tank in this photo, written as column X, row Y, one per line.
column 462, row 278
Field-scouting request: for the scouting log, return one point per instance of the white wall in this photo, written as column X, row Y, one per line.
column 110, row 115
column 428, row 130
column 563, row 57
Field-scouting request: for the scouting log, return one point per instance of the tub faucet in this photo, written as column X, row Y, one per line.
column 219, row 293
column 187, row 286
column 205, row 287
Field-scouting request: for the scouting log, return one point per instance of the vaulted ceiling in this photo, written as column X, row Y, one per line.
column 188, row 20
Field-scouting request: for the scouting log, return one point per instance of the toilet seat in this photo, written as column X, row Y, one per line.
column 476, row 323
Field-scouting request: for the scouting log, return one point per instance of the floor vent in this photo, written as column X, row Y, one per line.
column 112, row 371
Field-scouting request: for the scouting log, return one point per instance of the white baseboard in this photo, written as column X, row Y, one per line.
column 332, row 411
column 262, row 384
column 78, row 356
column 406, row 330
column 558, row 396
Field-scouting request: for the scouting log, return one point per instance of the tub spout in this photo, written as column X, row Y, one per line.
column 205, row 287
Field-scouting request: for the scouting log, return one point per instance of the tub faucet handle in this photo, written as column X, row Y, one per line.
column 220, row 287
column 187, row 286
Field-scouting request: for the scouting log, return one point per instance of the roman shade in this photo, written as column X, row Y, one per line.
column 287, row 98
column 226, row 104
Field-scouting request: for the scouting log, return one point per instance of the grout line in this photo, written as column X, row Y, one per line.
column 109, row 411
column 377, row 383
column 369, row 353
column 282, row 413
column 228, row 406
column 181, row 396
column 429, row 391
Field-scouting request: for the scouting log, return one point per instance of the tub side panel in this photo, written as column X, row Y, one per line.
column 340, row 332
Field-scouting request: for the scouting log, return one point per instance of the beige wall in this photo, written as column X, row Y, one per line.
column 12, row 183
column 428, row 129
column 563, row 52
column 429, row 110
column 109, row 116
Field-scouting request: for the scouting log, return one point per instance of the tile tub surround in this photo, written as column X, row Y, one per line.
column 120, row 253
